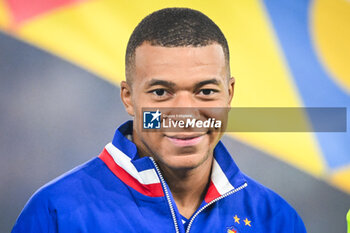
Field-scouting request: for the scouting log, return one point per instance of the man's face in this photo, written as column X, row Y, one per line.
column 191, row 77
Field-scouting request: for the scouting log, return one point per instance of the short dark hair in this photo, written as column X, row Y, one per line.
column 174, row 27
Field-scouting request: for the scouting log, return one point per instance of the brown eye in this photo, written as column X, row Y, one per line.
column 159, row 92
column 207, row 91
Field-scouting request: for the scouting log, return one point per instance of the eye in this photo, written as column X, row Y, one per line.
column 159, row 92
column 207, row 92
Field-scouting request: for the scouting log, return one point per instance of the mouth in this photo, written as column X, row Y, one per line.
column 183, row 140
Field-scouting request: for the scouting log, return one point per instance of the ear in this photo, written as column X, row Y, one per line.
column 126, row 96
column 231, row 89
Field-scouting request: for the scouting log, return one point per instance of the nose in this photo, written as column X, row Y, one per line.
column 183, row 99
column 185, row 103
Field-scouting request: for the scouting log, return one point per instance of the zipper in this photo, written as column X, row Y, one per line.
column 215, row 200
column 200, row 210
column 167, row 196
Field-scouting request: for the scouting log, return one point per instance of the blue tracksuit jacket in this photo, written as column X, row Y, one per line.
column 120, row 192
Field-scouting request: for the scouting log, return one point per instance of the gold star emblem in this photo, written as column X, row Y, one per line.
column 236, row 219
column 247, row 222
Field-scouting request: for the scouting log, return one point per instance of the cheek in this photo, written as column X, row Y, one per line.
column 140, row 101
column 138, row 117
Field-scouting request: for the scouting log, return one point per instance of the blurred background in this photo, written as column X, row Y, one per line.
column 61, row 62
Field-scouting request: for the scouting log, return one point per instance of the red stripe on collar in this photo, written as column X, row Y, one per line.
column 212, row 193
column 151, row 190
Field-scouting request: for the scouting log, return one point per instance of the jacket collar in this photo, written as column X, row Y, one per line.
column 122, row 159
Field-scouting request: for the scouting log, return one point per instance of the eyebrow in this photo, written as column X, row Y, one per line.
column 169, row 84
column 209, row 81
column 154, row 82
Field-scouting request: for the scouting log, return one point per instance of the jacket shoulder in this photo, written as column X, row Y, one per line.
column 263, row 195
column 271, row 207
column 71, row 180
column 39, row 213
column 68, row 187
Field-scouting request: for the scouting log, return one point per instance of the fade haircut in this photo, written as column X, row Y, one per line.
column 174, row 27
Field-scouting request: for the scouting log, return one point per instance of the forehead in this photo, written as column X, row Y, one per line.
column 172, row 62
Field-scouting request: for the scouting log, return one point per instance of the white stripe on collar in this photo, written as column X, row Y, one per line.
column 148, row 176
column 218, row 177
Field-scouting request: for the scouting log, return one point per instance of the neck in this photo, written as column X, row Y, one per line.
column 188, row 187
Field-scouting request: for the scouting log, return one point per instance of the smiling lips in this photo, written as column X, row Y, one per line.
column 185, row 140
